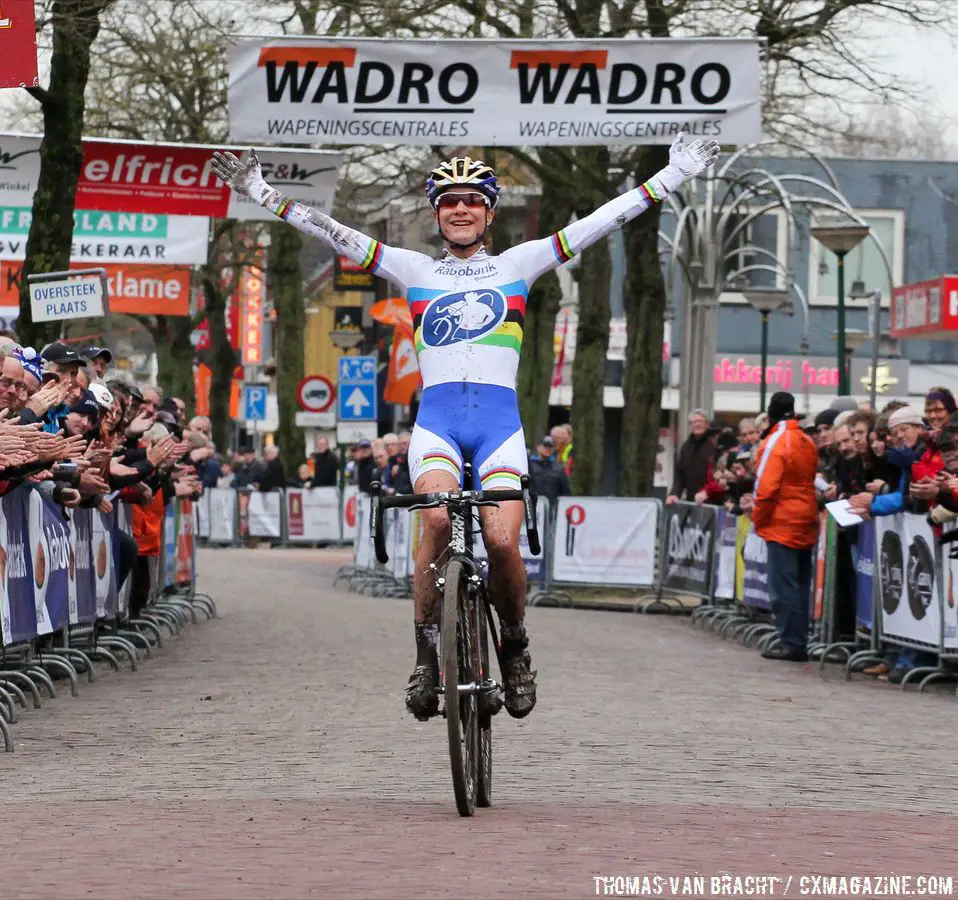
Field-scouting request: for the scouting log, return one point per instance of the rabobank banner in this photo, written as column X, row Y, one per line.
column 494, row 92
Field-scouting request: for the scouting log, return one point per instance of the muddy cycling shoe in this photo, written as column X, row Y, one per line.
column 422, row 692
column 518, row 681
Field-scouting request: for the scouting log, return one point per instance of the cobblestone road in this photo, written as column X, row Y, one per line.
column 267, row 754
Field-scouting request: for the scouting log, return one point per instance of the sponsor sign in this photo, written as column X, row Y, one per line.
column 167, row 179
column 137, row 289
column 350, row 276
column 816, row 374
column 222, row 515
column 727, row 529
column 754, row 569
column 313, row 515
column 926, row 309
column 949, row 607
column 69, row 298
column 606, row 540
column 115, row 237
column 865, row 575
column 18, row 44
column 485, row 92
column 689, row 540
column 85, row 586
column 265, row 514
column 250, row 296
column 54, row 565
column 911, row 609
column 184, row 541
column 535, row 565
column 17, row 610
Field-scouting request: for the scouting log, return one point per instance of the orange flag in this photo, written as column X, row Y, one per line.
column 402, row 379
column 202, row 381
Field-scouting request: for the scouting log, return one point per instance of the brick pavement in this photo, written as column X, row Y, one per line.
column 267, row 754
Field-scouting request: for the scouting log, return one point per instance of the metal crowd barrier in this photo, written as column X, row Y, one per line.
column 61, row 608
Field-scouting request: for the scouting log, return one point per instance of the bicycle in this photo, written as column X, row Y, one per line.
column 465, row 610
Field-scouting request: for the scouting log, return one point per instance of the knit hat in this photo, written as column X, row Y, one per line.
column 826, row 417
column 843, row 403
column 842, row 418
column 945, row 398
column 87, row 406
column 781, row 406
column 907, row 415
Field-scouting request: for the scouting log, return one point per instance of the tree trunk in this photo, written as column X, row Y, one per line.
column 536, row 364
column 223, row 357
column 174, row 354
column 75, row 27
column 285, row 284
column 592, row 343
column 644, row 298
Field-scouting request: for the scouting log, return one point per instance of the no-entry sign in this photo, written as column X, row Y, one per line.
column 316, row 394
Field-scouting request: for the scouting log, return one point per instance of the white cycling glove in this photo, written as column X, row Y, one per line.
column 687, row 161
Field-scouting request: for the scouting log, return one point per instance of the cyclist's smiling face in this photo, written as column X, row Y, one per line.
column 463, row 215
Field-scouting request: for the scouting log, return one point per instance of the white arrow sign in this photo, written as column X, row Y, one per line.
column 357, row 402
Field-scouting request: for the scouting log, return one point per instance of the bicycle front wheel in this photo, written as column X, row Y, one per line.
column 460, row 666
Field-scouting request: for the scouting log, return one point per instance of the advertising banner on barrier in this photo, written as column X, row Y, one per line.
column 184, row 541
column 19, row 614
column 689, row 548
column 351, row 502
column 202, row 507
column 363, row 555
column 865, row 575
column 606, row 540
column 265, row 513
column 54, row 584
column 169, row 545
column 535, row 565
column 169, row 179
column 18, row 44
column 400, row 543
column 83, row 544
column 312, row 516
column 727, row 529
column 949, row 607
column 755, row 575
column 124, row 520
column 222, row 515
column 104, row 573
column 911, row 611
column 485, row 92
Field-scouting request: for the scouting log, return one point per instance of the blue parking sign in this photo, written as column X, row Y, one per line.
column 254, row 402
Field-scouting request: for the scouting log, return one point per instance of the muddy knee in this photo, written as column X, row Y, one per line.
column 435, row 526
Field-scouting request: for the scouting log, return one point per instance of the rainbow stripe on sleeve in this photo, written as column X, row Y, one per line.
column 560, row 246
column 373, row 256
column 648, row 191
column 285, row 208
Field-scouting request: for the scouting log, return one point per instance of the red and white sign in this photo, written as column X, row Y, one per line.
column 315, row 394
column 171, row 179
column 18, row 44
column 137, row 289
column 926, row 309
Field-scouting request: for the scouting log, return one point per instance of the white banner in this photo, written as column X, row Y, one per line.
column 494, row 92
column 222, row 527
column 400, row 543
column 167, row 179
column 312, row 516
column 351, row 498
column 950, row 591
column 265, row 514
column 363, row 554
column 534, row 565
column 606, row 540
column 115, row 237
column 911, row 606
column 202, row 507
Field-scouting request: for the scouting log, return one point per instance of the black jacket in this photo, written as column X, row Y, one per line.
column 692, row 466
column 325, row 469
column 273, row 477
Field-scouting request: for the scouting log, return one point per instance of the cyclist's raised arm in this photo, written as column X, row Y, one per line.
column 685, row 162
column 246, row 177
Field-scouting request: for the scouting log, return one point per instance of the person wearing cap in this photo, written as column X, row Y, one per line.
column 65, row 363
column 547, row 476
column 100, row 358
column 365, row 465
column 82, row 417
column 785, row 515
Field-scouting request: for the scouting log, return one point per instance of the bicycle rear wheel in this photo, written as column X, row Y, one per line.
column 459, row 666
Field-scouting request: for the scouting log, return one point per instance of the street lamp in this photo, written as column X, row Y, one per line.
column 766, row 301
column 841, row 238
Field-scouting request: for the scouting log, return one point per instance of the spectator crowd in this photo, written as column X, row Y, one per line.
column 901, row 458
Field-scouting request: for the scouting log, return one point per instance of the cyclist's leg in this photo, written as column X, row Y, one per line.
column 501, row 469
column 435, row 464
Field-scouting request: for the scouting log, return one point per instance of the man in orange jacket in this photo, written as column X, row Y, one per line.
column 785, row 516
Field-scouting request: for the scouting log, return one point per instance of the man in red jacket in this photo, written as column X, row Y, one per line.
column 785, row 516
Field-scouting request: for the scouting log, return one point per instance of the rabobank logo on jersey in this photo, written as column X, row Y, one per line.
column 462, row 316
